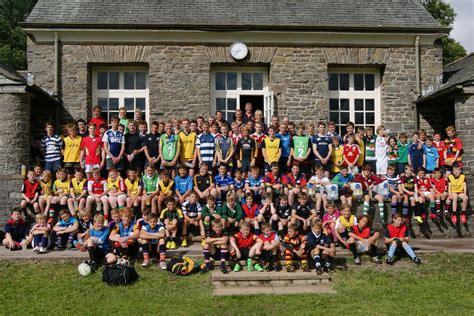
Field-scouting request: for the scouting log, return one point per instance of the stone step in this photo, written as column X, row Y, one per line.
column 278, row 290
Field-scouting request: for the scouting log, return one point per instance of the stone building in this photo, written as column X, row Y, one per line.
column 366, row 61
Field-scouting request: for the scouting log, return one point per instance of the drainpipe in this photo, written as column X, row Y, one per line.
column 418, row 81
column 56, row 64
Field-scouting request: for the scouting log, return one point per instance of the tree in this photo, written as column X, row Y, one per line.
column 12, row 36
column 445, row 15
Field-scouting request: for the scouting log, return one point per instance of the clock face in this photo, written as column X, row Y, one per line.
column 238, row 50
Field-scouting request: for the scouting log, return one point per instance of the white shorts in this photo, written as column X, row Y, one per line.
column 381, row 165
column 89, row 168
column 425, row 193
column 361, row 247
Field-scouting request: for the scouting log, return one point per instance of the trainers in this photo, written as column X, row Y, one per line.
column 173, row 245
column 168, row 245
column 249, row 265
column 269, row 267
column 289, row 268
column 357, row 261
column 419, row 219
column 206, row 268
column 258, row 267
column 454, row 219
column 389, row 260
column 438, row 213
column 184, row 243
column 36, row 250
column 237, row 267
column 42, row 250
column 463, row 218
column 433, row 216
column 278, row 267
column 163, row 265
column 376, row 260
column 223, row 268
column 446, row 214
column 417, row 260
column 326, row 267
column 305, row 267
column 318, row 268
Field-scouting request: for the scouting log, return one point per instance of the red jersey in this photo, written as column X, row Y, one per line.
column 291, row 181
column 270, row 179
column 259, row 140
column 97, row 121
column 97, row 187
column 30, row 189
column 366, row 182
column 439, row 184
column 236, row 137
column 250, row 212
column 350, row 152
column 453, row 145
column 396, row 232
column 441, row 148
column 242, row 242
column 362, row 233
column 92, row 146
column 423, row 184
column 268, row 238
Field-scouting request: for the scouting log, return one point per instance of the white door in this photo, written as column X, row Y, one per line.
column 268, row 106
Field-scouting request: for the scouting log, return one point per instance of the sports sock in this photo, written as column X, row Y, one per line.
column 317, row 259
column 146, row 251
column 106, row 217
column 162, row 250
column 447, row 205
column 409, row 251
column 392, row 249
column 353, row 249
column 405, row 209
column 70, row 238
column 393, row 208
column 432, row 207
column 373, row 251
column 381, row 211
column 329, row 260
column 223, row 255
column 136, row 211
column 438, row 205
column 91, row 252
column 366, row 207
column 206, row 255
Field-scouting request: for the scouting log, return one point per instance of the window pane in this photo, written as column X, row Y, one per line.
column 258, row 81
column 140, row 103
column 369, row 82
column 333, row 104
column 333, row 82
column 113, row 80
column 369, row 118
column 230, row 116
column 369, row 105
column 102, row 102
column 344, row 81
column 129, row 80
column 246, row 81
column 344, row 117
column 359, row 118
column 231, row 104
column 334, row 116
column 358, row 82
column 129, row 104
column 113, row 104
column 220, row 104
column 231, row 81
column 102, row 79
column 140, row 80
column 359, row 104
column 344, row 104
column 220, row 81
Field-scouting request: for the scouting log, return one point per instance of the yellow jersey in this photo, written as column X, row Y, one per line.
column 336, row 157
column 116, row 184
column 72, row 149
column 188, row 145
column 61, row 186
column 167, row 189
column 46, row 187
column 457, row 184
column 77, row 187
column 272, row 147
column 360, row 161
column 132, row 187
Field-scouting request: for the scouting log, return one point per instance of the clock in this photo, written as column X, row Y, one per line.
column 238, row 50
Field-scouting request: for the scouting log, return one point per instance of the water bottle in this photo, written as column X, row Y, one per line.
column 356, row 189
column 23, row 171
column 332, row 192
column 383, row 189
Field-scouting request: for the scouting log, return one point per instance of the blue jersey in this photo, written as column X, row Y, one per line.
column 183, row 184
column 313, row 240
column 238, row 185
column 223, row 181
column 191, row 210
column 285, row 143
column 330, row 135
column 115, row 140
column 322, row 144
column 71, row 221
column 394, row 181
column 102, row 238
column 254, row 183
column 125, row 231
column 432, row 156
column 416, row 156
column 206, row 146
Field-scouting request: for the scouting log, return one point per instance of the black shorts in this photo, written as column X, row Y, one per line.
column 346, row 192
column 244, row 253
column 71, row 167
column 245, row 166
column 326, row 167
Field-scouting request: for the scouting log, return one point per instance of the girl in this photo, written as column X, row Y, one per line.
column 344, row 223
column 396, row 238
column 329, row 220
column 363, row 239
column 317, row 183
column 381, row 154
column 392, row 153
column 46, row 192
column 39, row 234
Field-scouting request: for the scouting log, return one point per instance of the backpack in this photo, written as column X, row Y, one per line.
column 119, row 275
column 183, row 266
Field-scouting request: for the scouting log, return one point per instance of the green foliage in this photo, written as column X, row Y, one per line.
column 12, row 37
column 445, row 15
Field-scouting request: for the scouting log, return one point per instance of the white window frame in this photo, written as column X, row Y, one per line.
column 352, row 94
column 121, row 93
column 235, row 94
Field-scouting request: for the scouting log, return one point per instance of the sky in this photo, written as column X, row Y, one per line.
column 463, row 27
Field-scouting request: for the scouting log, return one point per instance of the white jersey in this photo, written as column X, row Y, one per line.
column 381, row 155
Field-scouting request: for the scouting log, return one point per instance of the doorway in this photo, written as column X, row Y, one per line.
column 256, row 100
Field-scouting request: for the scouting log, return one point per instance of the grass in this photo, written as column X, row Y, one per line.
column 442, row 285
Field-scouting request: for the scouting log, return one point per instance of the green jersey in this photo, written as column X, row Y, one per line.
column 300, row 146
column 402, row 152
column 235, row 213
column 169, row 146
column 150, row 184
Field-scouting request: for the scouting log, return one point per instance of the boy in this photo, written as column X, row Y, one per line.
column 92, row 155
column 52, row 146
column 424, row 192
column 61, row 188
column 318, row 246
column 169, row 149
column 259, row 137
column 205, row 146
column 224, row 183
column 97, row 191
column 16, row 231
column 66, row 229
column 267, row 247
column 30, row 192
column 183, row 184
column 81, row 128
column 271, row 148
column 134, row 157
column 407, row 188
column 322, row 149
column 123, row 117
column 241, row 248
column 150, row 146
column 246, row 151
column 300, row 148
column 78, row 193
column 203, row 184
column 239, row 184
column 254, row 183
column 114, row 146
column 332, row 131
column 85, row 223
column 441, row 148
column 295, row 183
column 415, row 152
column 211, row 212
column 72, row 150
column 150, row 188
column 369, row 143
column 273, row 181
column 457, row 190
column 350, row 154
column 96, row 119
column 402, row 153
column 116, row 196
column 98, row 245
column 166, row 188
column 303, row 212
column 439, row 186
column 152, row 237
column 231, row 212
column 285, row 140
column 279, row 221
column 192, row 213
column 124, row 236
column 454, row 149
column 368, row 181
column 430, row 156
column 216, row 247
column 350, row 129
column 225, row 148
column 187, row 140
column 343, row 181
column 134, row 185
column 393, row 181
column 294, row 245
column 172, row 218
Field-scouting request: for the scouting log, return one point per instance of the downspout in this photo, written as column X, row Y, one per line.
column 56, row 64
column 418, row 81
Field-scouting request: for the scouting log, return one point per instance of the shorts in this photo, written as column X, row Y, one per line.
column 169, row 167
column 425, row 193
column 52, row 166
column 346, row 192
column 71, row 167
column 326, row 167
column 136, row 163
column 109, row 164
column 245, row 166
column 450, row 168
column 188, row 164
column 89, row 167
column 244, row 253
column 217, row 254
column 361, row 247
column 401, row 167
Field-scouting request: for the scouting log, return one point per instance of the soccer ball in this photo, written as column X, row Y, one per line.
column 84, row 269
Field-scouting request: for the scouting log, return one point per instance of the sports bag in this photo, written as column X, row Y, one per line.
column 119, row 275
column 183, row 266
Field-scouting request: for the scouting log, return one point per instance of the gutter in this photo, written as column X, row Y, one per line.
column 440, row 93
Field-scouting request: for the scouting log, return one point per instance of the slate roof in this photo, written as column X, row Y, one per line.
column 235, row 14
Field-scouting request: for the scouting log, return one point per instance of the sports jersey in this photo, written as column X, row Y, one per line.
column 244, row 243
column 188, row 144
column 322, row 143
column 392, row 152
column 125, row 231
column 331, row 134
column 132, row 186
column 423, row 184
column 303, row 211
column 150, row 184
column 97, row 121
column 441, row 148
column 336, row 157
column 393, row 182
column 236, row 137
column 158, row 228
column 169, row 146
column 254, row 183
column 17, row 229
column 453, row 145
column 350, row 152
column 191, row 210
column 285, row 144
column 268, row 238
column 46, row 187
column 432, row 156
column 316, row 183
column 246, row 148
column 250, row 211
column 214, row 234
column 396, row 232
column 116, row 184
column 284, row 211
column 301, row 145
column 151, row 142
column 340, row 180
column 92, row 148
column 205, row 143
column 331, row 217
column 439, row 184
column 176, row 214
column 166, row 188
column 239, row 184
column 370, row 148
column 78, row 187
column 259, row 141
column 206, row 211
column 381, row 146
column 61, row 185
column 29, row 189
column 84, row 226
column 97, row 187
column 271, row 179
column 235, row 212
column 366, row 182
column 292, row 181
column 272, row 148
column 183, row 184
column 222, row 181
column 72, row 149
column 295, row 241
column 114, row 140
column 457, row 183
column 314, row 240
column 52, row 147
column 416, row 156
column 360, row 142
column 402, row 152
column 202, row 182
column 408, row 182
column 102, row 236
column 224, row 145
column 67, row 223
column 347, row 223
column 134, row 142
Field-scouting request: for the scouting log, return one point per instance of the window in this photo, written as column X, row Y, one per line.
column 117, row 87
column 231, row 87
column 354, row 95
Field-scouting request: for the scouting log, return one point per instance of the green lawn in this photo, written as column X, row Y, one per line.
column 443, row 284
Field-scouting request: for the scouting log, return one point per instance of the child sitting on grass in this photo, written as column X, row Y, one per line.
column 172, row 218
column 97, row 243
column 396, row 238
column 39, row 233
column 124, row 236
column 294, row 245
column 215, row 247
column 363, row 239
column 152, row 238
column 16, row 231
column 318, row 246
column 241, row 248
column 66, row 229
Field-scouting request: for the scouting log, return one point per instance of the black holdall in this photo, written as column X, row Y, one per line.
column 119, row 275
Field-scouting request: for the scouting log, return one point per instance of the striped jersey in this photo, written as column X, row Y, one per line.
column 52, row 147
column 206, row 146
